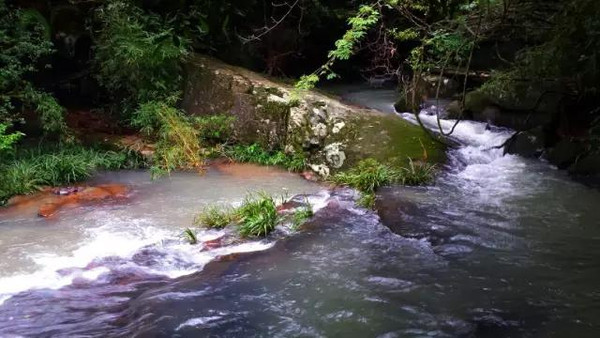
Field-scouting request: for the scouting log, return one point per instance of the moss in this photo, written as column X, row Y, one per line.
column 388, row 139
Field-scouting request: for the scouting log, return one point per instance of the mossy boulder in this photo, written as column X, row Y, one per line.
column 330, row 134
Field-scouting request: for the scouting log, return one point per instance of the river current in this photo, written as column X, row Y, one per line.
column 500, row 246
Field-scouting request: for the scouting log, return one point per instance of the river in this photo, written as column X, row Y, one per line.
column 500, row 246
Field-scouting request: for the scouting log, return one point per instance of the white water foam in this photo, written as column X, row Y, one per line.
column 480, row 165
column 122, row 238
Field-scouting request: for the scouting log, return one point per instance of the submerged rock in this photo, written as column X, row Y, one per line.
column 81, row 195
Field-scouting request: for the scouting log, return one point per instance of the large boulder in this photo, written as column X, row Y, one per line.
column 332, row 135
column 565, row 153
column 527, row 144
column 518, row 114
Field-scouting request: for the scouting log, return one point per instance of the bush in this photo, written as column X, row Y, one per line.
column 257, row 215
column 214, row 216
column 256, row 154
column 24, row 46
column 7, row 141
column 178, row 144
column 137, row 55
column 214, row 129
column 30, row 170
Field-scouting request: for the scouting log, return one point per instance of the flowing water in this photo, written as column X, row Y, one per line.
column 500, row 246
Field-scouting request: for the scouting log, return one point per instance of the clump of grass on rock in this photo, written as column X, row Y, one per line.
column 215, row 217
column 369, row 175
column 257, row 215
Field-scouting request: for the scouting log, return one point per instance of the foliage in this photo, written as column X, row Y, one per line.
column 190, row 236
column 566, row 61
column 301, row 215
column 345, row 47
column 7, row 140
column 29, row 170
column 178, row 144
column 254, row 153
column 367, row 176
column 214, row 129
column 257, row 215
column 366, row 200
column 24, row 44
column 137, row 54
column 215, row 216
column 417, row 173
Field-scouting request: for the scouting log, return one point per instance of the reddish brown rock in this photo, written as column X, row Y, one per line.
column 212, row 244
column 50, row 206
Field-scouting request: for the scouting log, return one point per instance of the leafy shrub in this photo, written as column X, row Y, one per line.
column 24, row 41
column 257, row 215
column 214, row 129
column 214, row 216
column 256, row 154
column 137, row 54
column 7, row 140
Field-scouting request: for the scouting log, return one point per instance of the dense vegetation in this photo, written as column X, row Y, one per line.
column 124, row 59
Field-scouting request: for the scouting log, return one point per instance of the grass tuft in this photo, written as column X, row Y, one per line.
column 369, row 175
column 257, row 215
column 302, row 215
column 215, row 217
column 366, row 200
column 190, row 236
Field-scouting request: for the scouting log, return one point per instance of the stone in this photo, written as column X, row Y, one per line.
column 277, row 116
column 564, row 153
column 586, row 165
column 527, row 144
column 453, row 110
column 51, row 206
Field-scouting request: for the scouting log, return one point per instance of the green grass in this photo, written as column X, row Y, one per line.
column 256, row 154
column 369, row 175
column 215, row 217
column 302, row 215
column 366, row 200
column 190, row 236
column 417, row 173
column 29, row 170
column 257, row 215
